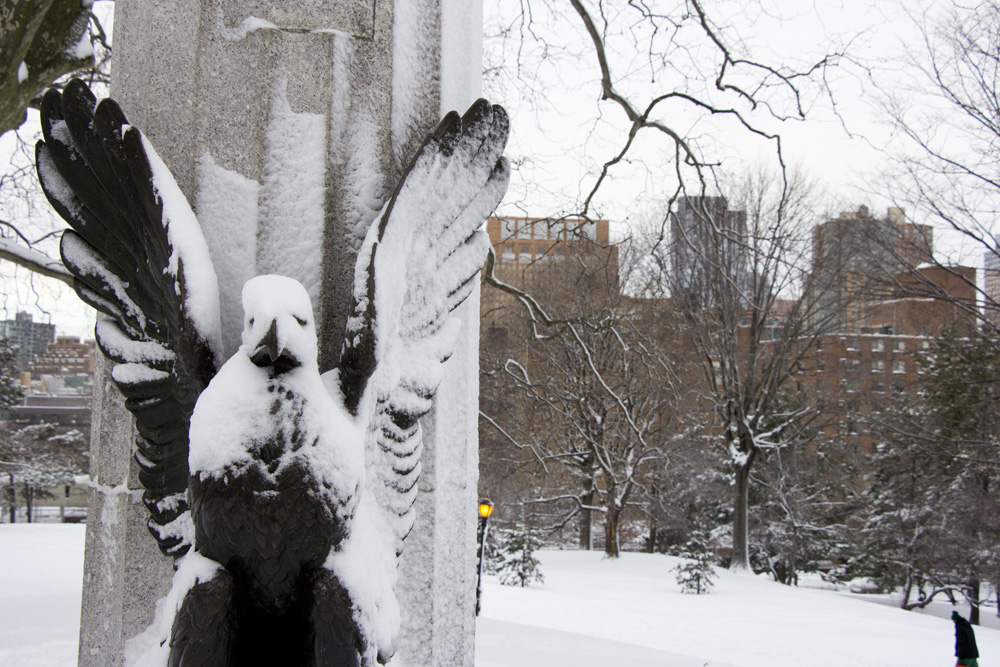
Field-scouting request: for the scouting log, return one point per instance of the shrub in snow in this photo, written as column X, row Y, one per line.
column 519, row 566
column 493, row 558
column 697, row 575
column 864, row 585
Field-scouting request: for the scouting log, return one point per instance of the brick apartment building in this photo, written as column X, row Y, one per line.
column 873, row 353
column 68, row 355
column 854, row 257
column 540, row 254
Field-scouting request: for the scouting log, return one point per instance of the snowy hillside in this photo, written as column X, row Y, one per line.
column 590, row 612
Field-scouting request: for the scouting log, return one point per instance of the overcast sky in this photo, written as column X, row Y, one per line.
column 561, row 133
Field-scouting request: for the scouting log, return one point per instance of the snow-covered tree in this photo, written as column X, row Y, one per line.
column 697, row 575
column 932, row 527
column 11, row 392
column 519, row 566
column 639, row 86
column 42, row 42
column 37, row 457
column 800, row 506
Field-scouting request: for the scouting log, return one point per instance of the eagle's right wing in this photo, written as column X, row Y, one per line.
column 420, row 260
column 138, row 256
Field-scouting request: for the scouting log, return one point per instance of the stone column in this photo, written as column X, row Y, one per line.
column 287, row 124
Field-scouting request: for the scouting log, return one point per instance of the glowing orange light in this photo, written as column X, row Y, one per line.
column 485, row 508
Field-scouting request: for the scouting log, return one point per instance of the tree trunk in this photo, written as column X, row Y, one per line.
column 28, row 501
column 611, row 518
column 974, row 602
column 35, row 42
column 587, row 517
column 740, row 560
column 651, row 543
column 907, row 589
column 12, row 492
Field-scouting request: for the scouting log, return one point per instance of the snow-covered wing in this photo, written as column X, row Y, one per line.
column 419, row 261
column 137, row 255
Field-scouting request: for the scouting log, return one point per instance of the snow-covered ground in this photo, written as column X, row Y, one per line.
column 588, row 613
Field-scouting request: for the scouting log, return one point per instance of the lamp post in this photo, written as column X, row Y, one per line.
column 485, row 510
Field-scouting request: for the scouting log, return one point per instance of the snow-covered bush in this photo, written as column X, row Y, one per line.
column 519, row 566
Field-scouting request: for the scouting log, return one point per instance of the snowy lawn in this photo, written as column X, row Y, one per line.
column 630, row 613
column 41, row 570
column 588, row 613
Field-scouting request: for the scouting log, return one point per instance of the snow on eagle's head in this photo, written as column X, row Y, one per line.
column 278, row 326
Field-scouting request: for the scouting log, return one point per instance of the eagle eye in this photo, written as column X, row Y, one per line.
column 301, row 321
column 251, row 321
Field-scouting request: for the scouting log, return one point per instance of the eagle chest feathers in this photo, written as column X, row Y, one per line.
column 277, row 496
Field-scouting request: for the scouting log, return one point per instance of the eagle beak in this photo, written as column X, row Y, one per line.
column 270, row 353
column 270, row 342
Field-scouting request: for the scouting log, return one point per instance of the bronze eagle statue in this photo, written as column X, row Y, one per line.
column 285, row 491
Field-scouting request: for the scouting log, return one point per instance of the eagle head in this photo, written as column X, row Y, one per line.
column 279, row 330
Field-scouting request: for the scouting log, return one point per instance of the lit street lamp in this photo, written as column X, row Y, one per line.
column 485, row 510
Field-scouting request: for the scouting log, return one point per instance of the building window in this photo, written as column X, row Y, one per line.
column 899, row 366
column 899, row 346
column 878, row 365
column 925, row 345
column 852, row 344
column 509, row 228
column 878, row 345
column 853, row 386
column 524, row 253
column 524, row 230
column 878, row 387
column 819, row 344
column 508, row 253
column 898, row 388
column 820, row 365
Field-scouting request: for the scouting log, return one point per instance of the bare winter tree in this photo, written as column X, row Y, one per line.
column 663, row 86
column 946, row 167
column 595, row 406
column 737, row 268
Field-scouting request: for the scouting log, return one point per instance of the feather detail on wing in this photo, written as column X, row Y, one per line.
column 138, row 256
column 419, row 261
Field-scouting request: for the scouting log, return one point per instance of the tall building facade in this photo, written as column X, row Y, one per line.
column 708, row 239
column 31, row 338
column 856, row 257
